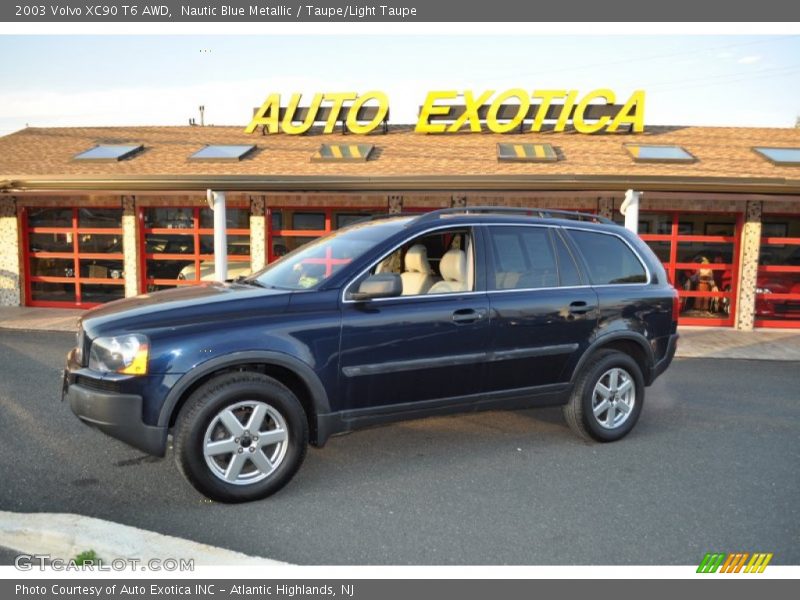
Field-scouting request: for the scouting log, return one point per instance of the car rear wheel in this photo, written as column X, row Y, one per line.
column 240, row 437
column 607, row 398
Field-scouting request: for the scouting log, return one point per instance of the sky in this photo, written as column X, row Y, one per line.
column 85, row 80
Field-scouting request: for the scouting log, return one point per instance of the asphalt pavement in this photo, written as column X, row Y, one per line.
column 711, row 466
column 7, row 556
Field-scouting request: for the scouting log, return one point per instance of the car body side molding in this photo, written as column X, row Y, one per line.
column 460, row 359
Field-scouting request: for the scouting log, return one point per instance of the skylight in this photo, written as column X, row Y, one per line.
column 343, row 153
column 109, row 152
column 648, row 153
column 223, row 152
column 526, row 153
column 780, row 156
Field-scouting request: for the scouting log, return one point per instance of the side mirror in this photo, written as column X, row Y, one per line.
column 382, row 285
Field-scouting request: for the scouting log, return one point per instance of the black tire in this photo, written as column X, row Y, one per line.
column 579, row 412
column 205, row 406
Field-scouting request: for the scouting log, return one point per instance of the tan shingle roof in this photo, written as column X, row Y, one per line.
column 722, row 152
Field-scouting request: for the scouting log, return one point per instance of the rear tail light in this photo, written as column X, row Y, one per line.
column 676, row 306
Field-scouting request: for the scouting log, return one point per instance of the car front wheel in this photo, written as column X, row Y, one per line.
column 240, row 437
column 607, row 398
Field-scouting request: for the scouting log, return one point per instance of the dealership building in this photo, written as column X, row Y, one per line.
column 89, row 215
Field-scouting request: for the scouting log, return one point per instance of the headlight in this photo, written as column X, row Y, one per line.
column 79, row 343
column 120, row 354
column 763, row 291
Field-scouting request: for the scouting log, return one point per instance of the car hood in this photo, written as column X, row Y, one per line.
column 201, row 303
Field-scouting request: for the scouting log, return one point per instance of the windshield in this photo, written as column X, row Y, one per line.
column 313, row 263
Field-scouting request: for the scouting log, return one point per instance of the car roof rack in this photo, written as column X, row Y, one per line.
column 388, row 215
column 542, row 213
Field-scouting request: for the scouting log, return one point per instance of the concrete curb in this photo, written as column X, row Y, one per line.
column 765, row 344
column 64, row 536
column 25, row 318
column 28, row 328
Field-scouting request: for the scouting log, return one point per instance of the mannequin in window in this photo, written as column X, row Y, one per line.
column 704, row 282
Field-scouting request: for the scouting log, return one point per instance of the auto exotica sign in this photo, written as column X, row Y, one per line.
column 503, row 112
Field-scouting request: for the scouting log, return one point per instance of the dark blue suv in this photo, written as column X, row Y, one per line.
column 392, row 318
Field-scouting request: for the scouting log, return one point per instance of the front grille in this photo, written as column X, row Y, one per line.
column 100, row 385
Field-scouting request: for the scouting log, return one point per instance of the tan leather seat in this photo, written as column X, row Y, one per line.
column 453, row 268
column 506, row 280
column 417, row 276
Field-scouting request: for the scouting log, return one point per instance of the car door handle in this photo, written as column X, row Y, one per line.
column 468, row 315
column 580, row 307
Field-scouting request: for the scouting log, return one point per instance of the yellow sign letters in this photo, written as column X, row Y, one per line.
column 269, row 114
column 499, row 113
column 570, row 103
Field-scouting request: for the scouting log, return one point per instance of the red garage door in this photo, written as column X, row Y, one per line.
column 72, row 256
column 700, row 252
column 778, row 282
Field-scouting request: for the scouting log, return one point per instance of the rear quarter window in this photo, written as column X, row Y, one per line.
column 609, row 259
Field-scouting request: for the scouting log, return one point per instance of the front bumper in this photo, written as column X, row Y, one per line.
column 661, row 365
column 115, row 414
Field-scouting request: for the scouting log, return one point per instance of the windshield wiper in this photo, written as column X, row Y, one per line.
column 254, row 282
column 244, row 279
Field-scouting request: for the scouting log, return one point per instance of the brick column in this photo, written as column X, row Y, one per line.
column 258, row 233
column 748, row 267
column 130, row 245
column 605, row 207
column 9, row 253
column 395, row 205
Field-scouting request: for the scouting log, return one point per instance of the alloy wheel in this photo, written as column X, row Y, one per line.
column 613, row 398
column 245, row 442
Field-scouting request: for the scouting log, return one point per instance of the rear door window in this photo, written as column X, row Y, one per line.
column 609, row 259
column 523, row 258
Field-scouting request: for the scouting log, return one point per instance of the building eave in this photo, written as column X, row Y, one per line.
column 250, row 183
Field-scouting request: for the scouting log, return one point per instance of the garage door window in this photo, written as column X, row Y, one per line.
column 73, row 256
column 178, row 245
